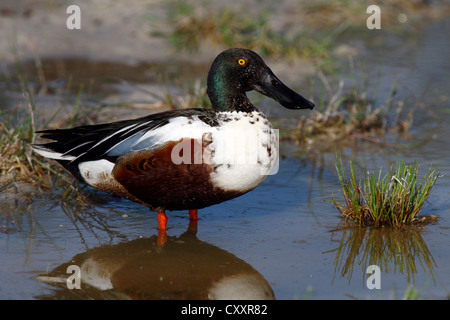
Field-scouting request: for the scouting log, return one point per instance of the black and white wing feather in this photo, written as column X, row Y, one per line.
column 112, row 140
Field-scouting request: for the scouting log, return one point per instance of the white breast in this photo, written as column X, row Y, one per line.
column 244, row 150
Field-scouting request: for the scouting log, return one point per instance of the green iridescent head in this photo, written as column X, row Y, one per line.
column 236, row 71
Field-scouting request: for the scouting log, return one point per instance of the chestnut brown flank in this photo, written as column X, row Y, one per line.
column 156, row 181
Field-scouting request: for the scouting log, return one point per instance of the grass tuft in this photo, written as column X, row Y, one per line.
column 395, row 199
column 351, row 113
column 18, row 163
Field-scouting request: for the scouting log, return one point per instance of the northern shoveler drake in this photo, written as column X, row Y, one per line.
column 184, row 159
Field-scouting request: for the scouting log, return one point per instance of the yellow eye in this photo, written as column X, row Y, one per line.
column 242, row 62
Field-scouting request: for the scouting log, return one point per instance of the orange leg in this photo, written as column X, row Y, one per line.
column 193, row 221
column 192, row 227
column 193, row 214
column 162, row 223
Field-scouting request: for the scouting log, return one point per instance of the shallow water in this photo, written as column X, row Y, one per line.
column 280, row 240
column 286, row 239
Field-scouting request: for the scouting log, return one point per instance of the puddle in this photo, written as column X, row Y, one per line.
column 283, row 244
column 99, row 76
column 279, row 241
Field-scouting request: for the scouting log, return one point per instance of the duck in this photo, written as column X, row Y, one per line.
column 183, row 159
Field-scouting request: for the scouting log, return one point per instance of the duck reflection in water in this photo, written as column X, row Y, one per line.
column 184, row 268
